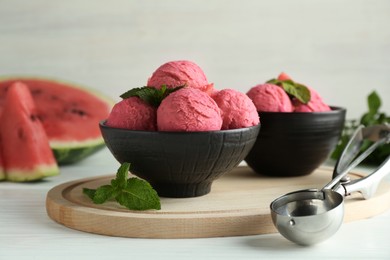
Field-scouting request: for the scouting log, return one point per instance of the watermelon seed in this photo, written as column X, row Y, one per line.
column 21, row 134
column 36, row 91
column 34, row 117
column 77, row 112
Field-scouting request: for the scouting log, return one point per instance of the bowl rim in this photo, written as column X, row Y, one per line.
column 334, row 110
column 228, row 131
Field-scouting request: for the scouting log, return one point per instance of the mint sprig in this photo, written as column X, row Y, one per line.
column 294, row 89
column 132, row 193
column 372, row 117
column 150, row 95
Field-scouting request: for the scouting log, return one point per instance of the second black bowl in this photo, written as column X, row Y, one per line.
column 294, row 144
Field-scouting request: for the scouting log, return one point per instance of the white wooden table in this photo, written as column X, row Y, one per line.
column 26, row 232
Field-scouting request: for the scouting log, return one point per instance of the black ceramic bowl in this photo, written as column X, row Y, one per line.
column 180, row 164
column 295, row 144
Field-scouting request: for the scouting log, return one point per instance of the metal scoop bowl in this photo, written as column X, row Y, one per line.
column 307, row 217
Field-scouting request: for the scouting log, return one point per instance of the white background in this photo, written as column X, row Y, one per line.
column 341, row 48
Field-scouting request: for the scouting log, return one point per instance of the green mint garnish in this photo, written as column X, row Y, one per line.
column 132, row 193
column 372, row 117
column 373, row 102
column 89, row 192
column 299, row 91
column 150, row 95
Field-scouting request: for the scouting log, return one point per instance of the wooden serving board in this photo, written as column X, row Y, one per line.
column 238, row 204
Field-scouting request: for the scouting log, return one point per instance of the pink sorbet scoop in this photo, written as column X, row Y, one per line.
column 188, row 109
column 316, row 104
column 179, row 73
column 270, row 98
column 237, row 109
column 133, row 114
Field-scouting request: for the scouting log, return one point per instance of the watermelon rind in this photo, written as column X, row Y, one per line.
column 2, row 173
column 75, row 151
column 69, row 153
column 37, row 173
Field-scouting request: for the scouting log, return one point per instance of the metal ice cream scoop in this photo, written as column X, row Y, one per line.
column 310, row 216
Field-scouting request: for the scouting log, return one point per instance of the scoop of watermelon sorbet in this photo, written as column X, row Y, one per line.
column 270, row 98
column 237, row 109
column 188, row 109
column 316, row 104
column 133, row 114
column 178, row 73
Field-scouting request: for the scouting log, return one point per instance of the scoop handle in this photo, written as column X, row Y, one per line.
column 368, row 185
column 347, row 160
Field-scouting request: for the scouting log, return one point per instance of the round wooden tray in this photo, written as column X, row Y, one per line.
column 238, row 204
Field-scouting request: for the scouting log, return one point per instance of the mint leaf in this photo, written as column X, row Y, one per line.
column 139, row 195
column 168, row 91
column 131, row 93
column 299, row 91
column 374, row 102
column 103, row 194
column 293, row 89
column 368, row 118
column 89, row 192
column 371, row 117
column 120, row 181
column 133, row 193
column 150, row 95
column 273, row 81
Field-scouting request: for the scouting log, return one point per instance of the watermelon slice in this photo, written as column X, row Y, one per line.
column 284, row 76
column 2, row 173
column 70, row 115
column 25, row 147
